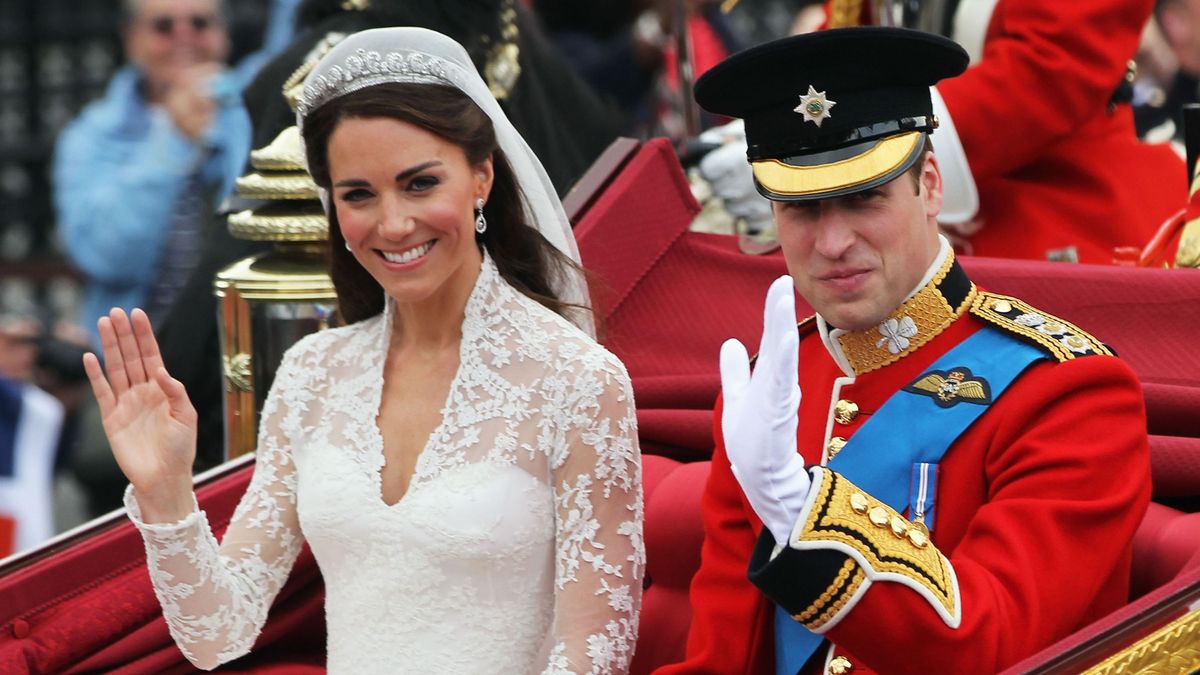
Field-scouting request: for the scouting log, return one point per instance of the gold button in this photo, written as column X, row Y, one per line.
column 840, row 666
column 879, row 516
column 899, row 526
column 845, row 412
column 1002, row 306
column 859, row 502
column 918, row 537
column 835, row 446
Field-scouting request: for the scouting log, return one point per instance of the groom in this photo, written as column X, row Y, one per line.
column 926, row 504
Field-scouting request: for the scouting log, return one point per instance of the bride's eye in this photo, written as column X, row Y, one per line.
column 355, row 195
column 423, row 183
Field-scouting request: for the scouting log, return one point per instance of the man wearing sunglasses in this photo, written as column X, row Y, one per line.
column 139, row 172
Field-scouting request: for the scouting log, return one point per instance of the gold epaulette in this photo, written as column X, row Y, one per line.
column 1062, row 339
column 881, row 544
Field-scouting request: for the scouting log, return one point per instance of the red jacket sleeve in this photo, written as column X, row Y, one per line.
column 731, row 619
column 1047, row 69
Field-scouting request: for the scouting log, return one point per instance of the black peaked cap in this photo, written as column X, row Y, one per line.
column 828, row 98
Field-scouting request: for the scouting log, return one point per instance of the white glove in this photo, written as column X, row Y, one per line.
column 734, row 130
column 732, row 180
column 759, row 419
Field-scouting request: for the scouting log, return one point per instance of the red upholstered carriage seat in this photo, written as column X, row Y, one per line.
column 1166, row 544
column 673, row 537
column 87, row 606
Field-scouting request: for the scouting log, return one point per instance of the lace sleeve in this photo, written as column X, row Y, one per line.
column 215, row 600
column 598, row 523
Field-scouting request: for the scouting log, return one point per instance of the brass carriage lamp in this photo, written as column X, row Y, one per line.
column 271, row 300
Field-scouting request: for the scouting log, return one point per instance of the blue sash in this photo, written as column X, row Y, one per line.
column 990, row 354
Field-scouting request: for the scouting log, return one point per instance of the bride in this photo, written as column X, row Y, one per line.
column 461, row 456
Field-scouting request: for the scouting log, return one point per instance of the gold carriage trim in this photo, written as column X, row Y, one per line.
column 301, row 222
column 268, row 186
column 285, row 153
column 1063, row 339
column 882, row 539
column 1174, row 648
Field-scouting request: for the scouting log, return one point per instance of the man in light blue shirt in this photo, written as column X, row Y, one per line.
column 140, row 170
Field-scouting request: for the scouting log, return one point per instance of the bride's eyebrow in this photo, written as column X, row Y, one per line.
column 408, row 173
column 403, row 175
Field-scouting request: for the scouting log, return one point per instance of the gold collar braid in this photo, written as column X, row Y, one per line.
column 920, row 319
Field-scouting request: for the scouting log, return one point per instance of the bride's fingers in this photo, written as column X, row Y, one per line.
column 114, row 364
column 103, row 392
column 129, row 347
column 147, row 345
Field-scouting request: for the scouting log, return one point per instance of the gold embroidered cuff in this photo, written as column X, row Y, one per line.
column 812, row 586
column 847, row 539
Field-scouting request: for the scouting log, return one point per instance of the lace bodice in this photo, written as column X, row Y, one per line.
column 516, row 549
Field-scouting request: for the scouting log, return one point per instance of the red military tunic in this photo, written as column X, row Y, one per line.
column 1036, row 504
column 1056, row 168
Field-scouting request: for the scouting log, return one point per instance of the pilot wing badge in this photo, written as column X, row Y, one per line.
column 950, row 387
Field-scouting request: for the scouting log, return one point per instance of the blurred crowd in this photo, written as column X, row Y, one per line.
column 141, row 177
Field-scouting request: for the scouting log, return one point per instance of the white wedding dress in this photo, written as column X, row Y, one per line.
column 517, row 548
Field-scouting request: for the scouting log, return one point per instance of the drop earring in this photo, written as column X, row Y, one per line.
column 480, row 221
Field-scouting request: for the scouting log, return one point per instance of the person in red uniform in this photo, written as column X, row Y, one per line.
column 1055, row 158
column 925, row 476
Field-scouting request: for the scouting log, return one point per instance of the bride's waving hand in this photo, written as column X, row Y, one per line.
column 147, row 416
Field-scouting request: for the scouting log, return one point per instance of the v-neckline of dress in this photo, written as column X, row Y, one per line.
column 429, row 448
